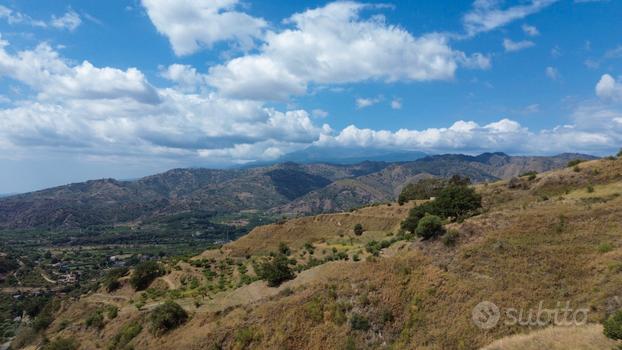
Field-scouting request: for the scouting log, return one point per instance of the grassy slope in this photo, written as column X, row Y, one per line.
column 550, row 241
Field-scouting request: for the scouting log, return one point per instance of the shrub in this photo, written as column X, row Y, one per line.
column 590, row 189
column 127, row 332
column 111, row 281
column 61, row 344
column 574, row 162
column 144, row 273
column 429, row 226
column 450, row 238
column 276, row 270
column 457, row 201
column 95, row 320
column 111, row 311
column 284, row 249
column 619, row 153
column 613, row 326
column 166, row 317
column 424, row 189
column 605, row 247
column 531, row 175
column 576, row 169
column 359, row 323
column 358, row 229
column 245, row 336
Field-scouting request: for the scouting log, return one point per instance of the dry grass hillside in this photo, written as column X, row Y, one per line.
column 553, row 238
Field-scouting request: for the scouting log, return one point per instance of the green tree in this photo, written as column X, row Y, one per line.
column 429, row 226
column 358, row 229
column 166, row 317
column 276, row 270
column 457, row 201
column 144, row 273
column 423, row 189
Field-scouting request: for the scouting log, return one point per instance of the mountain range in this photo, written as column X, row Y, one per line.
column 287, row 188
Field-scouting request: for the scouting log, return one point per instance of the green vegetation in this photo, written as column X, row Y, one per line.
column 613, row 326
column 574, row 163
column 359, row 323
column 450, row 238
column 358, row 229
column 166, row 317
column 456, row 201
column 275, row 270
column 111, row 280
column 424, row 189
column 122, row 339
column 284, row 249
column 429, row 226
column 95, row 320
column 144, row 273
column 61, row 344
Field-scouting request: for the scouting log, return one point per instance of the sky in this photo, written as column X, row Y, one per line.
column 123, row 89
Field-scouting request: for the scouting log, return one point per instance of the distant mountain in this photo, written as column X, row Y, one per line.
column 286, row 188
column 386, row 184
column 344, row 155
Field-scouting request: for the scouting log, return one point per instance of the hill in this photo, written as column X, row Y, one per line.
column 281, row 189
column 554, row 238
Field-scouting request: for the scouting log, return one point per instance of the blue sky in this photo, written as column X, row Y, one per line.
column 92, row 89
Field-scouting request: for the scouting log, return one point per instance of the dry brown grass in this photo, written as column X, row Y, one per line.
column 528, row 246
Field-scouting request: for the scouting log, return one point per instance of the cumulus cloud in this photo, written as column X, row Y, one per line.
column 335, row 44
column 511, row 46
column 184, row 76
column 530, row 30
column 70, row 21
column 362, row 102
column 44, row 71
column 487, row 15
column 608, row 88
column 190, row 25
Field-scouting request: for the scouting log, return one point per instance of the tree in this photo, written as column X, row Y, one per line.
column 423, row 189
column 429, row 226
column 145, row 273
column 276, row 270
column 358, row 229
column 166, row 317
column 457, row 201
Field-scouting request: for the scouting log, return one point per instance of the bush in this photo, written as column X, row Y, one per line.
column 95, row 320
column 166, row 317
column 450, row 238
column 127, row 332
column 275, row 271
column 613, row 326
column 424, row 189
column 619, row 154
column 284, row 249
column 145, row 273
column 429, row 226
column 61, row 344
column 359, row 323
column 358, row 229
column 111, row 280
column 457, row 201
column 574, row 162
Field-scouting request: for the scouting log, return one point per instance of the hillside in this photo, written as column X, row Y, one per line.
column 553, row 238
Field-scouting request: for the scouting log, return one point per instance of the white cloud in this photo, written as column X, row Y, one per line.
column 190, row 25
column 367, row 102
column 396, row 103
column 511, row 46
column 552, row 73
column 530, row 30
column 186, row 77
column 46, row 73
column 487, row 15
column 70, row 21
column 335, row 45
column 608, row 88
column 319, row 113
